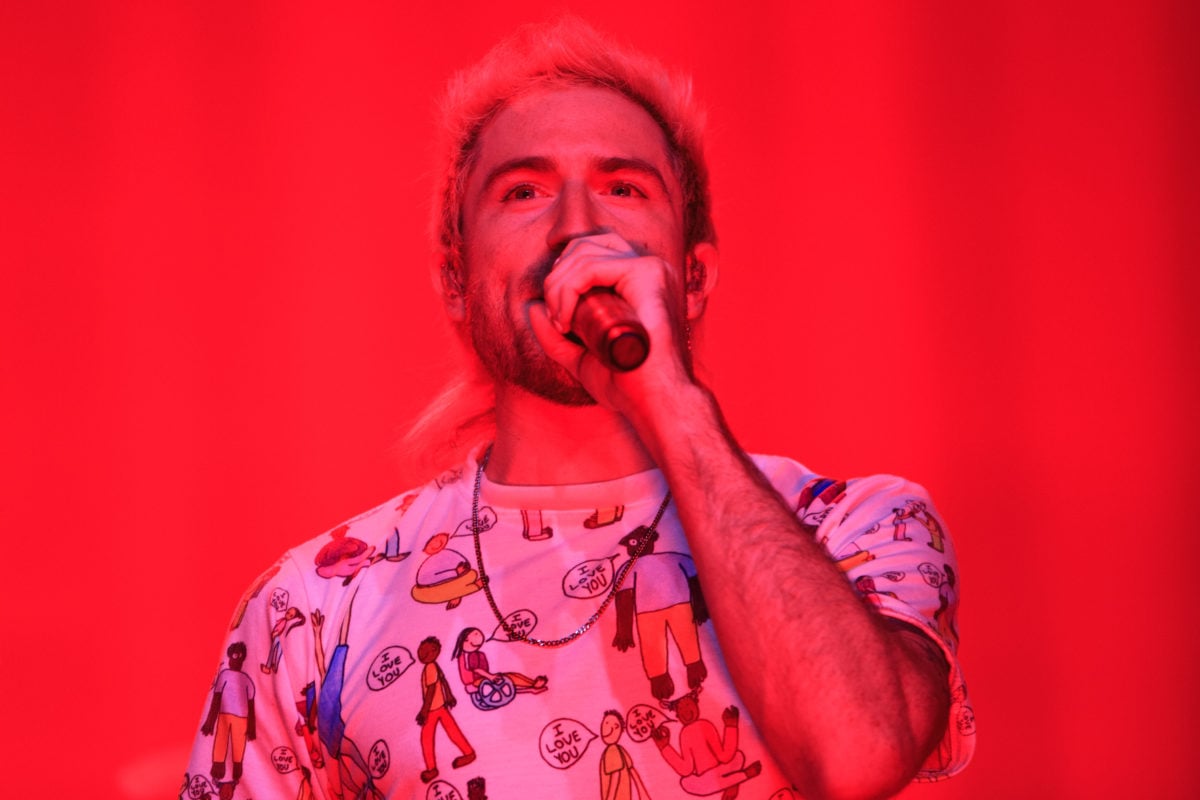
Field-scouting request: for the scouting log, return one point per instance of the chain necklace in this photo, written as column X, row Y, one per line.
column 519, row 636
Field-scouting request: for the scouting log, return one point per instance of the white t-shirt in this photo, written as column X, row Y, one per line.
column 345, row 709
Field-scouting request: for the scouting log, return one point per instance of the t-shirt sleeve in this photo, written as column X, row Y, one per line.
column 885, row 534
column 255, row 736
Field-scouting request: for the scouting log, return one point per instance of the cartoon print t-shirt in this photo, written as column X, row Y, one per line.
column 370, row 662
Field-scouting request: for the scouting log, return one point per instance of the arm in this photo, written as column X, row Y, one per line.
column 623, row 640
column 427, row 689
column 680, row 761
column 871, row 699
column 210, row 721
column 251, row 724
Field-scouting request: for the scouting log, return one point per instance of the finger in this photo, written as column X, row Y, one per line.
column 640, row 281
column 575, row 257
column 558, row 347
column 603, row 241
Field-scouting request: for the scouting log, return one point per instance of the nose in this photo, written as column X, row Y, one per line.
column 576, row 214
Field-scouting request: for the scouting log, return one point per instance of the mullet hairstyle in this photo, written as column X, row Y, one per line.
column 566, row 52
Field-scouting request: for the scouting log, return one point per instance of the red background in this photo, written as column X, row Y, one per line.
column 959, row 243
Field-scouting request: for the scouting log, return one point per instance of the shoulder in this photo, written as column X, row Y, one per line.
column 793, row 479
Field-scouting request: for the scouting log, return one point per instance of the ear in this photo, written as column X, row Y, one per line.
column 700, row 277
column 450, row 284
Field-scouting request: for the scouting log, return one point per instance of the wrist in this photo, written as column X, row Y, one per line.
column 678, row 424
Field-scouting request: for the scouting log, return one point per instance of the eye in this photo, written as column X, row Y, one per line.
column 522, row 191
column 625, row 189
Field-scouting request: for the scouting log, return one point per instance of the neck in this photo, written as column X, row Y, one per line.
column 542, row 443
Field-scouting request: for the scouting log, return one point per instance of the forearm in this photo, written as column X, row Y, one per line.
column 839, row 694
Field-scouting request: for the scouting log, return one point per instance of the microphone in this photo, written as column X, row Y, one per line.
column 608, row 327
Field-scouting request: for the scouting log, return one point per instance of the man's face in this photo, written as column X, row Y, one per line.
column 555, row 165
column 610, row 729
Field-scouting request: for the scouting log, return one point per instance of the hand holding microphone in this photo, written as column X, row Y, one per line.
column 609, row 328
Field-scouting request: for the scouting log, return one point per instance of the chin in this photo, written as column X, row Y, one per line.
column 550, row 381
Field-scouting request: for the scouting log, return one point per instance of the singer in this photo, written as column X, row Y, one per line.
column 593, row 556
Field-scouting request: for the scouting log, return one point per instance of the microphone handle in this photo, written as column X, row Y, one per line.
column 608, row 327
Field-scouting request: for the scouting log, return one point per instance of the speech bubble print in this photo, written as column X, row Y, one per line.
column 563, row 742
column 442, row 790
column 641, row 721
column 931, row 574
column 379, row 759
column 521, row 622
column 894, row 576
column 200, row 787
column 284, row 760
column 279, row 599
column 487, row 521
column 389, row 665
column 589, row 579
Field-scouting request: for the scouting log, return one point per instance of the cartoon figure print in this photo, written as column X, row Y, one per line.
column 345, row 556
column 436, row 702
column 706, row 761
column 446, row 576
column 867, row 589
column 350, row 772
column 816, row 502
column 290, row 619
column 918, row 511
column 489, row 690
column 944, row 582
column 230, row 719
column 618, row 776
column 533, row 527
column 661, row 592
column 604, row 516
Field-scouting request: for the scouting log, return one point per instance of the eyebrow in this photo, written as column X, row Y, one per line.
column 606, row 166
column 638, row 165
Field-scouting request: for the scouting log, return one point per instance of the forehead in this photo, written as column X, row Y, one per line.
column 572, row 123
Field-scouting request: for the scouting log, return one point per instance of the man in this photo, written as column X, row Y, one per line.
column 231, row 718
column 576, row 168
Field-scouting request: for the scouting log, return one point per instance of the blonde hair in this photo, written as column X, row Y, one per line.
column 564, row 52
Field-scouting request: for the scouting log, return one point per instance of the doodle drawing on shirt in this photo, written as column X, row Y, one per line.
column 602, row 517
column 707, row 761
column 306, row 723
column 962, row 716
column 619, row 778
column 917, row 510
column 231, row 720
column 290, row 619
column 345, row 556
column 816, row 501
column 350, row 772
column 944, row 582
column 865, row 584
column 563, row 742
column 436, row 702
column 201, row 787
column 284, row 760
column 532, row 526
column 489, row 690
column 590, row 579
column 661, row 592
column 446, row 576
